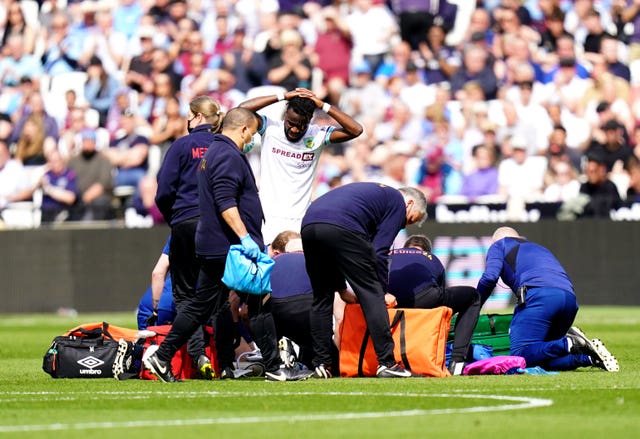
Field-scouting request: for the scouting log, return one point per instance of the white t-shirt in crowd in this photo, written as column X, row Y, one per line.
column 13, row 178
column 523, row 181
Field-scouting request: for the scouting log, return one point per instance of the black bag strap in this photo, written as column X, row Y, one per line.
column 398, row 318
column 492, row 324
column 102, row 332
column 403, row 341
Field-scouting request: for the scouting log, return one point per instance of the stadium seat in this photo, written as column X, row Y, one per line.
column 61, row 4
column 92, row 118
column 102, row 139
column 634, row 67
column 68, row 81
column 30, row 10
column 23, row 214
column 154, row 160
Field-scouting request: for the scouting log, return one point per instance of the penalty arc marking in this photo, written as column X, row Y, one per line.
column 511, row 403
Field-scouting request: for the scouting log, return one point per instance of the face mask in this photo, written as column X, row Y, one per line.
column 189, row 129
column 88, row 154
column 248, row 146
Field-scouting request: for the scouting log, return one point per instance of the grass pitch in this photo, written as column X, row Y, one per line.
column 582, row 404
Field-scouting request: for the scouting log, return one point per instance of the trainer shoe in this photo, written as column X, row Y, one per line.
column 577, row 341
column 603, row 358
column 227, row 374
column 395, row 371
column 322, row 372
column 456, row 367
column 287, row 352
column 253, row 369
column 287, row 374
column 205, row 371
column 160, row 368
column 123, row 359
column 579, row 344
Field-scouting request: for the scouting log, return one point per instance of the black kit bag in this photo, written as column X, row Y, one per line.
column 84, row 354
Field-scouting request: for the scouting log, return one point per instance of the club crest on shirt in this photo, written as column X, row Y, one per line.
column 203, row 164
column 308, row 142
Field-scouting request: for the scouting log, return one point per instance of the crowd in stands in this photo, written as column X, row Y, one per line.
column 489, row 101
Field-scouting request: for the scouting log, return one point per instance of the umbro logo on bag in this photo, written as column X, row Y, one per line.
column 90, row 362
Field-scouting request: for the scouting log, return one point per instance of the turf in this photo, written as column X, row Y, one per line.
column 581, row 404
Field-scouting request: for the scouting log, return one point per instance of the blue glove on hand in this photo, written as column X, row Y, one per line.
column 249, row 247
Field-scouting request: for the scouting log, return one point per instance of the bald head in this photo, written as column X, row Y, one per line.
column 504, row 232
column 240, row 125
column 238, row 117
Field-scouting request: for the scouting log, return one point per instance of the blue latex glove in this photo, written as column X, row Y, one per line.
column 249, row 247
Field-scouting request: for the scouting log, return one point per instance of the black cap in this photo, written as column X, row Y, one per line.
column 611, row 125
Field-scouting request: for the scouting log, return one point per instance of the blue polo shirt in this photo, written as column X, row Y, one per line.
column 289, row 276
column 520, row 262
column 412, row 271
column 166, row 307
column 225, row 180
column 177, row 194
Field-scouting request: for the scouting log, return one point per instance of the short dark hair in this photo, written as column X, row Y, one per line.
column 596, row 157
column 279, row 243
column 302, row 106
column 632, row 162
column 556, row 14
column 419, row 241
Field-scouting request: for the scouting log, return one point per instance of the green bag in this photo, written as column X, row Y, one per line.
column 491, row 330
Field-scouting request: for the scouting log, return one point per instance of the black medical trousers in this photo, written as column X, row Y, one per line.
column 463, row 300
column 184, row 268
column 335, row 255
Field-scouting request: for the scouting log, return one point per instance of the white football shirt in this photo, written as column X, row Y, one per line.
column 287, row 171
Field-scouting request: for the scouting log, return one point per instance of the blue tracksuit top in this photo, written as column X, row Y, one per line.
column 166, row 308
column 289, row 276
column 177, row 195
column 520, row 262
column 412, row 271
column 375, row 211
column 225, row 180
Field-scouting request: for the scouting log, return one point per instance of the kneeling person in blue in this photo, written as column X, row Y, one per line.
column 541, row 330
column 156, row 306
column 417, row 280
column 165, row 312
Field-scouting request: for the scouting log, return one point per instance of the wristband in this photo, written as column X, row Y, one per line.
column 280, row 96
column 326, row 107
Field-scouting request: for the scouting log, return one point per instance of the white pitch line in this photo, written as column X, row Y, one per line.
column 519, row 403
